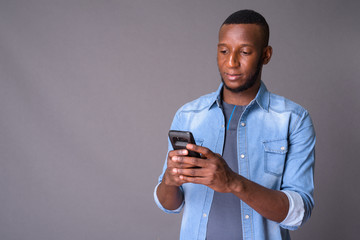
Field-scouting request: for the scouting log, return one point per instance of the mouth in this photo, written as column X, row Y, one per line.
column 232, row 76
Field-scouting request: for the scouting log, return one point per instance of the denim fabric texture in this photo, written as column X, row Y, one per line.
column 276, row 149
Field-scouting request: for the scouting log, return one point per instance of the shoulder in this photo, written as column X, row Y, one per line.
column 281, row 104
column 202, row 103
column 195, row 111
column 298, row 117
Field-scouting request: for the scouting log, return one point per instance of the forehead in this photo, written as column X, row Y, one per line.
column 249, row 34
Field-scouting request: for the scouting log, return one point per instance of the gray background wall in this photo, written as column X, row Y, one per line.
column 88, row 90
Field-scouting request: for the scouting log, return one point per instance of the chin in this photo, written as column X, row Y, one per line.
column 239, row 88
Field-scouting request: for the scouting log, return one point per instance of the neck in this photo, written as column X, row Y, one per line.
column 241, row 98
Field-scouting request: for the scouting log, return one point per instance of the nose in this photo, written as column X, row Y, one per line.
column 233, row 60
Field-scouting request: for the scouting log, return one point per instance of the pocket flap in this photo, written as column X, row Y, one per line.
column 276, row 146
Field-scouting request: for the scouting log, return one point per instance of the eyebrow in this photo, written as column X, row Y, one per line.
column 243, row 45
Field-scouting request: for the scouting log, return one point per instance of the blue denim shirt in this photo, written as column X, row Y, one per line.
column 276, row 142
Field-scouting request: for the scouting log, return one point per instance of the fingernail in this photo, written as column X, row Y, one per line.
column 174, row 170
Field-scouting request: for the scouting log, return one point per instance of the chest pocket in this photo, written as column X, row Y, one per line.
column 274, row 156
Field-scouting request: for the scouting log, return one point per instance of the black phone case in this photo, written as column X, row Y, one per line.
column 179, row 139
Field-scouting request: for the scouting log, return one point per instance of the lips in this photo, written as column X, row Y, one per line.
column 233, row 76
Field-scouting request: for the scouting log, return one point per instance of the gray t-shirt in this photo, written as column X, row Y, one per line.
column 225, row 213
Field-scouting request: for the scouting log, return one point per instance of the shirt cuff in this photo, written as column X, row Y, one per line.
column 178, row 210
column 296, row 211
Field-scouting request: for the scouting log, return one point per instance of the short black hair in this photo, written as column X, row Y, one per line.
column 248, row 16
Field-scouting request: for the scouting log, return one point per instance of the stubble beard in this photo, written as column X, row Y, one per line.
column 249, row 82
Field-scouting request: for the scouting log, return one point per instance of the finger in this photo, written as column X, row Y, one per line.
column 194, row 162
column 171, row 163
column 172, row 178
column 180, row 152
column 203, row 150
column 174, row 164
column 191, row 172
column 174, row 175
column 189, row 179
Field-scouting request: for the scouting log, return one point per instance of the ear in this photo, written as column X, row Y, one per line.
column 267, row 53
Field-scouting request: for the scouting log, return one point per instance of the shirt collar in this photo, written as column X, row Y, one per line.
column 262, row 97
column 216, row 98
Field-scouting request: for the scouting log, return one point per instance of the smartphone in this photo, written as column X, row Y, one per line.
column 179, row 140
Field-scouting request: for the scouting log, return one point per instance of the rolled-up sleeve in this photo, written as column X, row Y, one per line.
column 296, row 211
column 178, row 210
column 298, row 177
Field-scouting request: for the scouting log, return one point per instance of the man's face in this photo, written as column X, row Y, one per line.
column 240, row 55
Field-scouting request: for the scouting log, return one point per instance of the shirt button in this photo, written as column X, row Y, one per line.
column 247, row 216
column 242, row 156
column 204, row 215
column 243, row 124
column 282, row 148
column 222, row 126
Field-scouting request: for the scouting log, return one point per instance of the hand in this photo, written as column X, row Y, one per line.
column 213, row 172
column 171, row 177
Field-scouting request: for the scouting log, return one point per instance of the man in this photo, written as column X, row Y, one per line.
column 254, row 179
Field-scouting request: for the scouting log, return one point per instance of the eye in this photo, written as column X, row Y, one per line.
column 224, row 51
column 245, row 52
